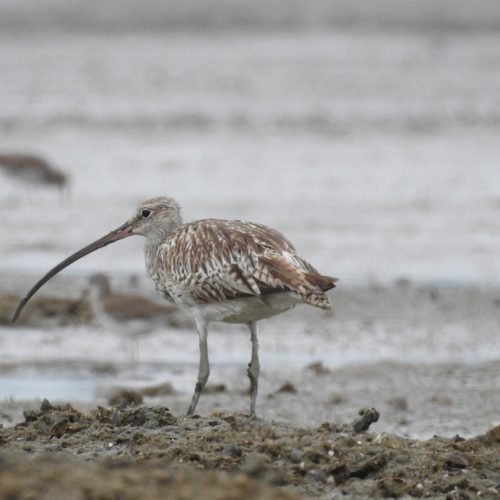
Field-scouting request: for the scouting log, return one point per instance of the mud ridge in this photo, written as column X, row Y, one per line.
column 130, row 452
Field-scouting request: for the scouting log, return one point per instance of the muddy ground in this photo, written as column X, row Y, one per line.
column 304, row 444
column 425, row 357
column 139, row 452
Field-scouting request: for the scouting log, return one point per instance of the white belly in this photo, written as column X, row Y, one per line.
column 248, row 309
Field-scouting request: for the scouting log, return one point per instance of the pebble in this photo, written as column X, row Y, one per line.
column 233, row 450
column 295, row 456
column 318, row 368
column 455, row 461
column 288, row 387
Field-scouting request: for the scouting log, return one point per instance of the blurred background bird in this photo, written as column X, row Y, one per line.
column 129, row 316
column 33, row 171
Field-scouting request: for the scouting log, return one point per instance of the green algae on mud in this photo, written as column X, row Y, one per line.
column 132, row 449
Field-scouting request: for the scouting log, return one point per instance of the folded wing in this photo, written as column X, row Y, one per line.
column 219, row 260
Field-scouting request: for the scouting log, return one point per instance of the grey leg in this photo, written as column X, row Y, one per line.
column 203, row 367
column 253, row 367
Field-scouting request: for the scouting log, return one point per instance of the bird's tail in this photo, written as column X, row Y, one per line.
column 319, row 284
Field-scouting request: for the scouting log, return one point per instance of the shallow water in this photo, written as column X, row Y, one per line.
column 66, row 388
column 376, row 153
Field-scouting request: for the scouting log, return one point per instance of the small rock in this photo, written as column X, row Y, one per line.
column 368, row 417
column 318, row 368
column 45, row 406
column 30, row 415
column 295, row 456
column 233, row 450
column 455, row 461
column 287, row 387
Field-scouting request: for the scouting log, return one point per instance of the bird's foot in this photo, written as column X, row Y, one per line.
column 252, row 415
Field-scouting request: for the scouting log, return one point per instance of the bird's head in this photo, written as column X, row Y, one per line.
column 158, row 215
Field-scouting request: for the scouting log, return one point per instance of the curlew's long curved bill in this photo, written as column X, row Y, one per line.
column 119, row 233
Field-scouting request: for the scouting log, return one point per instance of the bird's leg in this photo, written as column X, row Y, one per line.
column 203, row 367
column 253, row 367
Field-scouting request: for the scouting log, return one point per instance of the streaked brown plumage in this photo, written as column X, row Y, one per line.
column 218, row 260
column 221, row 270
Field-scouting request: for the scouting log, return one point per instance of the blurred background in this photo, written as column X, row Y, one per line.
column 366, row 131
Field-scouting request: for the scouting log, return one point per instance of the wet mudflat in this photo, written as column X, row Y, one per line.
column 412, row 344
column 147, row 452
column 425, row 357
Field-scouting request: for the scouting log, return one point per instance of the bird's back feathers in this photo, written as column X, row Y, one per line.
column 215, row 260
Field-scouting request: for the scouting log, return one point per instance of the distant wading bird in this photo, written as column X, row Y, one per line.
column 32, row 170
column 128, row 315
column 221, row 270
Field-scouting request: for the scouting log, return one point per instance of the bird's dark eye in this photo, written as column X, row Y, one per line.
column 145, row 213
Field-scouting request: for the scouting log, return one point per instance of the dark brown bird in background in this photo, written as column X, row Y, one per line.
column 32, row 170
